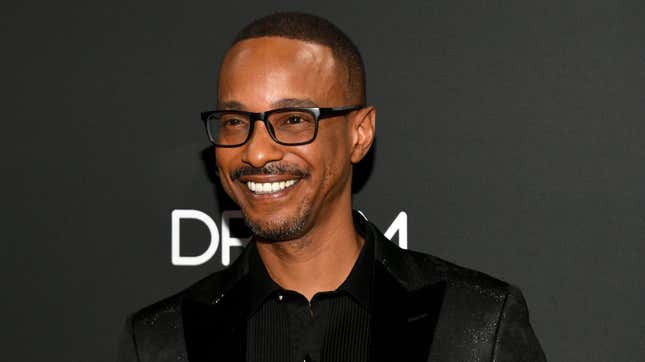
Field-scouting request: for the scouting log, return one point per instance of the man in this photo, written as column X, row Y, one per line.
column 317, row 282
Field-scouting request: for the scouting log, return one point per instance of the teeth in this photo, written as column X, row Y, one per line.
column 269, row 187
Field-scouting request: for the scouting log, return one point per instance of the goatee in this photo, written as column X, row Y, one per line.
column 279, row 229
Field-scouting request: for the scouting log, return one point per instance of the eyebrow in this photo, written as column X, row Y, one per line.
column 232, row 105
column 294, row 102
column 283, row 103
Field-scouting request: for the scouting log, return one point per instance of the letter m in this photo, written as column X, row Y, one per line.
column 400, row 225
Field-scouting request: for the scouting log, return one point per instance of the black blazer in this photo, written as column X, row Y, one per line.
column 425, row 309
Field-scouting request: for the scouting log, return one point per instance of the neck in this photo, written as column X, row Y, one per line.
column 319, row 261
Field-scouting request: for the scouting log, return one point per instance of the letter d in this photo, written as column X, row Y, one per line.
column 176, row 217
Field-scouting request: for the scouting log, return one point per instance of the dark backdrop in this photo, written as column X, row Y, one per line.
column 510, row 132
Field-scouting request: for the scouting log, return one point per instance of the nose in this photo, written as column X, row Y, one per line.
column 261, row 149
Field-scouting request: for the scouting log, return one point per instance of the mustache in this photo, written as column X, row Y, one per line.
column 269, row 169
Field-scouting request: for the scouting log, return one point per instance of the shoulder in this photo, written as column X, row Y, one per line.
column 470, row 295
column 460, row 277
column 475, row 307
column 166, row 313
column 471, row 299
column 156, row 332
column 205, row 290
column 416, row 269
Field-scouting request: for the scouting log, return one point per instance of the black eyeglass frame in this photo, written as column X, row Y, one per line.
column 318, row 112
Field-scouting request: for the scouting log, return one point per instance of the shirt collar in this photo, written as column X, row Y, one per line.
column 261, row 285
column 359, row 282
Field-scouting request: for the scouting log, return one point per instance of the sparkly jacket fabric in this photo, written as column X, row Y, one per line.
column 425, row 309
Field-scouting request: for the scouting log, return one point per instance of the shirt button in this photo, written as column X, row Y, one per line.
column 280, row 297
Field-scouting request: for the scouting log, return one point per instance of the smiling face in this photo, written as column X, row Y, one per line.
column 285, row 191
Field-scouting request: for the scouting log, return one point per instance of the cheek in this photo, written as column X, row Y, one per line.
column 334, row 158
column 336, row 136
column 224, row 163
column 225, row 158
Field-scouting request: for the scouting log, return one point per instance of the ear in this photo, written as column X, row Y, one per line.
column 363, row 131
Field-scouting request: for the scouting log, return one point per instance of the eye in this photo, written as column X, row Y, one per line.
column 294, row 119
column 291, row 120
column 232, row 122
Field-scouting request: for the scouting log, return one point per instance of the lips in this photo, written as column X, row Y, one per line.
column 269, row 187
column 273, row 178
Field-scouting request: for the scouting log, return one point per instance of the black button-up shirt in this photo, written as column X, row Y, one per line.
column 284, row 326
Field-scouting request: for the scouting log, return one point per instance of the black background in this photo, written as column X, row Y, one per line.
column 511, row 132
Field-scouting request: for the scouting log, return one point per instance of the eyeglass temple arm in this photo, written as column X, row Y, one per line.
column 339, row 110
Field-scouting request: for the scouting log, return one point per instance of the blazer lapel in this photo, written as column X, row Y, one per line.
column 403, row 321
column 405, row 310
column 215, row 332
column 214, row 315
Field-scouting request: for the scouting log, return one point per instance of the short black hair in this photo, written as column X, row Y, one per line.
column 314, row 29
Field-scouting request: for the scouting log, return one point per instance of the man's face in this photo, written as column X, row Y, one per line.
column 273, row 72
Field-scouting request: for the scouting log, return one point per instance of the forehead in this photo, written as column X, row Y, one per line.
column 260, row 72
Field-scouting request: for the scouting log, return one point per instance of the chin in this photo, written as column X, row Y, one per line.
column 279, row 227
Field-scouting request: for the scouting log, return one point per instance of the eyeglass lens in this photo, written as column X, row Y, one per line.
column 289, row 126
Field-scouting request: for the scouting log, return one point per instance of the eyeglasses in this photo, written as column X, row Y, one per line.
column 286, row 126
